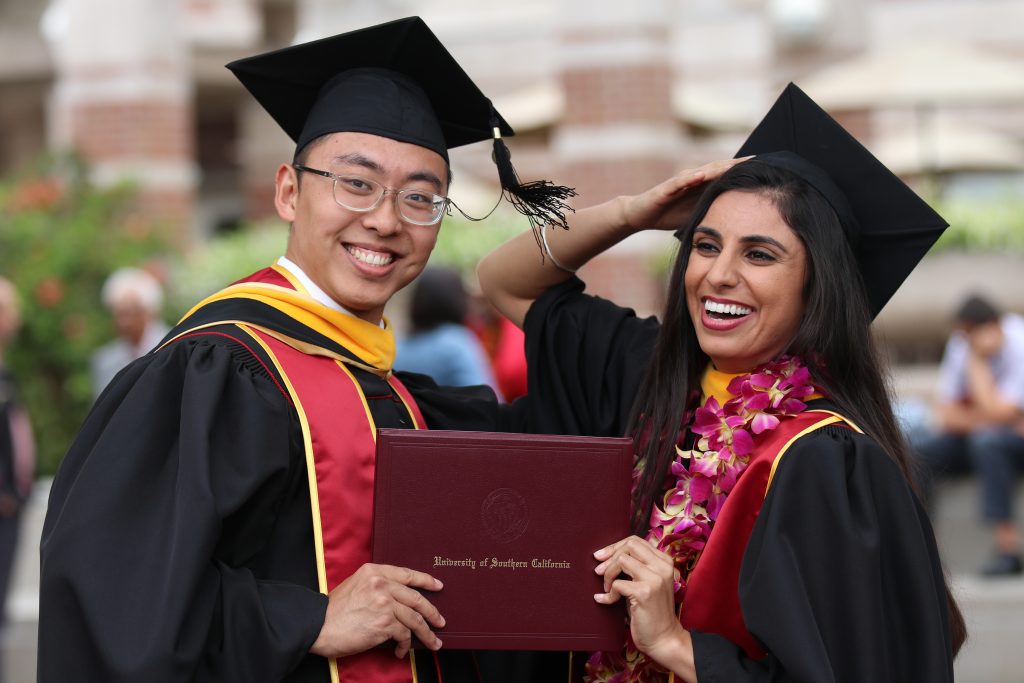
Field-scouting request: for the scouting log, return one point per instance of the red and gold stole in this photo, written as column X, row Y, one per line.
column 712, row 603
column 338, row 430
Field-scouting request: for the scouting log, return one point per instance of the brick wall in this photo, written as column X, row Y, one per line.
column 123, row 98
column 157, row 130
column 618, row 135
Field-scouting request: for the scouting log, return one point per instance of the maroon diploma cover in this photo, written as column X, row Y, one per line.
column 509, row 523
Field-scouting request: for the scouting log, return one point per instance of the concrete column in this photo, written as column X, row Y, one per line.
column 619, row 134
column 264, row 147
column 123, row 99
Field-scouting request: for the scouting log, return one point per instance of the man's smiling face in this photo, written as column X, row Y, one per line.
column 360, row 259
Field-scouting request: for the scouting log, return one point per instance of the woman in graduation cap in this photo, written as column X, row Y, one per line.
column 777, row 533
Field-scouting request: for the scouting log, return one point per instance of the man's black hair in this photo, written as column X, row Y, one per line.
column 976, row 310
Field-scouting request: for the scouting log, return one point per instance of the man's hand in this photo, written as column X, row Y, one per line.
column 376, row 604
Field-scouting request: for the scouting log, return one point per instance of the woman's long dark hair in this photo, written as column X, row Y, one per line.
column 833, row 338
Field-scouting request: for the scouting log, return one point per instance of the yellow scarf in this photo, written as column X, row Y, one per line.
column 373, row 344
column 716, row 383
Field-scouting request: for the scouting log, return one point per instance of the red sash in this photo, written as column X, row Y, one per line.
column 712, row 602
column 339, row 437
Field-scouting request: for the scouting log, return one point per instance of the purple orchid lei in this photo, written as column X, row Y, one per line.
column 704, row 476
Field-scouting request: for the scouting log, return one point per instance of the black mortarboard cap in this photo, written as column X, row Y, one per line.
column 395, row 80
column 889, row 227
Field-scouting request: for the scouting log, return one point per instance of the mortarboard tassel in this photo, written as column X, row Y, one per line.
column 541, row 201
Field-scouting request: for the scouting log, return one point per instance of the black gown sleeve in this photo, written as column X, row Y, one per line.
column 464, row 408
column 175, row 479
column 585, row 358
column 841, row 579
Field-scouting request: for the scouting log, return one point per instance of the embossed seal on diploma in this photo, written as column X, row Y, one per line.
column 504, row 515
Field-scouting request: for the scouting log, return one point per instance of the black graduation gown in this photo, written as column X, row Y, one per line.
column 840, row 580
column 178, row 542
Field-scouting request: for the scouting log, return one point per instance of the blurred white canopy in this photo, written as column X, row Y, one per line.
column 537, row 106
column 924, row 73
column 948, row 146
column 705, row 106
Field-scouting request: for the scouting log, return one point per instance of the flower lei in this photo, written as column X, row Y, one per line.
column 704, row 477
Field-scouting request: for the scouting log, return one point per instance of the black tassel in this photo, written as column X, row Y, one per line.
column 541, row 201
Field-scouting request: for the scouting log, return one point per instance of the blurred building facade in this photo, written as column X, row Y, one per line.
column 606, row 96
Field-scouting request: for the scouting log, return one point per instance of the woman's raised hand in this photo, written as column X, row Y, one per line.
column 668, row 205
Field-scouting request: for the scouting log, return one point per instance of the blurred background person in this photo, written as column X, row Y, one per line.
column 17, row 448
column 134, row 299
column 979, row 419
column 503, row 342
column 439, row 343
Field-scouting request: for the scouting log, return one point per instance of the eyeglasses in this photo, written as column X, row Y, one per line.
column 362, row 194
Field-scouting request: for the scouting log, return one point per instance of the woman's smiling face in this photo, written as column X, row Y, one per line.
column 744, row 281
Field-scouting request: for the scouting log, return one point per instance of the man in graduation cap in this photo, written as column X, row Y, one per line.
column 211, row 522
column 777, row 532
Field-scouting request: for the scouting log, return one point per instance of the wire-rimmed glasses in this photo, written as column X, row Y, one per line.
column 355, row 193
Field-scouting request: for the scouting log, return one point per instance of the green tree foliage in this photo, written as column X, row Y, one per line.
column 461, row 243
column 221, row 260
column 990, row 224
column 225, row 258
column 60, row 237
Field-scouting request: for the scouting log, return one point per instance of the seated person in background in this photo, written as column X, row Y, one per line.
column 979, row 418
column 439, row 344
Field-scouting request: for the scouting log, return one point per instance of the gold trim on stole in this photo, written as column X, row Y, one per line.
column 372, row 343
column 301, row 346
column 373, row 432
column 408, row 409
column 362, row 398
column 824, row 422
column 311, row 467
column 314, row 496
column 832, row 419
column 290, row 277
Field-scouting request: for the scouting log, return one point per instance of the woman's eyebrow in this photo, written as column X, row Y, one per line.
column 764, row 239
column 710, row 232
column 746, row 239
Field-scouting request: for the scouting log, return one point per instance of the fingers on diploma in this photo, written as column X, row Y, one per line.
column 411, row 599
column 411, row 623
column 637, row 559
column 411, row 577
column 414, row 613
column 606, row 552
